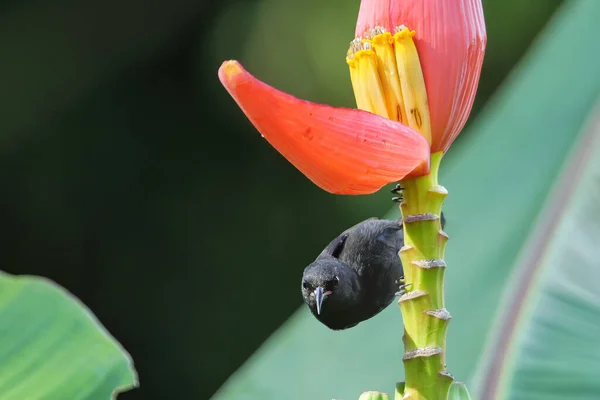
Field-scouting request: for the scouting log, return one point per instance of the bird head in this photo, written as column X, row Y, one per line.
column 327, row 286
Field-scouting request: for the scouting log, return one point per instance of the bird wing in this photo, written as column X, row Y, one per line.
column 390, row 232
column 370, row 240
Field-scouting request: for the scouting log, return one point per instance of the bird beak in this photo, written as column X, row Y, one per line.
column 319, row 298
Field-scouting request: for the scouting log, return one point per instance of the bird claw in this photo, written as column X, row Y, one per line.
column 397, row 190
column 402, row 286
column 402, row 289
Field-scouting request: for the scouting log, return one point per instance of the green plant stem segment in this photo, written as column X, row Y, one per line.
column 423, row 311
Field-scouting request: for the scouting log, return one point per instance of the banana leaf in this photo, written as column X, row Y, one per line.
column 546, row 344
column 52, row 347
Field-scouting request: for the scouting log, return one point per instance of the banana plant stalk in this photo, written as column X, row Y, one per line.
column 423, row 310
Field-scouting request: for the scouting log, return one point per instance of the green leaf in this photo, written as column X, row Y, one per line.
column 498, row 180
column 458, row 391
column 52, row 347
column 547, row 344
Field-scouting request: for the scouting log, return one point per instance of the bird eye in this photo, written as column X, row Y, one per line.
column 305, row 285
column 332, row 284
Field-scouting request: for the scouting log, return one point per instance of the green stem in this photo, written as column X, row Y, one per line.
column 425, row 317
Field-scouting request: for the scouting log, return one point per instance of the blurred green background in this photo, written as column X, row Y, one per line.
column 131, row 178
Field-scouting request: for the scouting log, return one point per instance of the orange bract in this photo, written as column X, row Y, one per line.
column 343, row 151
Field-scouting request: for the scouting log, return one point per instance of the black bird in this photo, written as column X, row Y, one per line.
column 357, row 275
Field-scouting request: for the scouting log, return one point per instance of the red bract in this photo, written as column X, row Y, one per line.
column 343, row 151
column 450, row 39
column 424, row 78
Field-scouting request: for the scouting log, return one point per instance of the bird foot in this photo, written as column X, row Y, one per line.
column 397, row 190
column 402, row 286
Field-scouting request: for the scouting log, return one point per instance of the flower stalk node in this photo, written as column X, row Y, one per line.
column 439, row 191
column 411, row 295
column 428, row 264
column 442, row 314
column 409, row 219
column 422, row 352
column 405, row 248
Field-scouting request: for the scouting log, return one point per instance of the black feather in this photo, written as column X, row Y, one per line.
column 358, row 272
